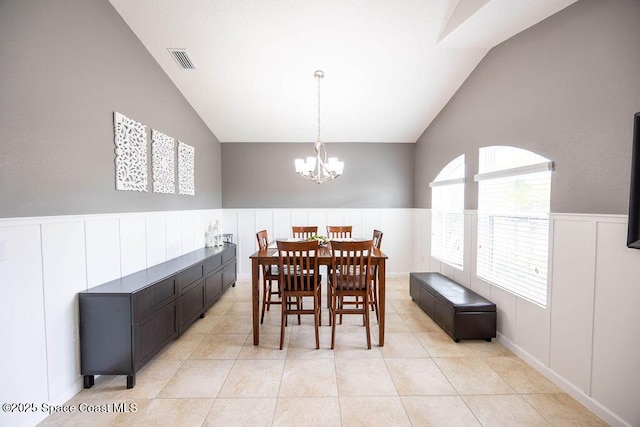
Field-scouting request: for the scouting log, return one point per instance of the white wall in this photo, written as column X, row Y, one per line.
column 44, row 263
column 585, row 340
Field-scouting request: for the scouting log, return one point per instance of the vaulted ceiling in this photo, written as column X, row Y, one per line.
column 390, row 65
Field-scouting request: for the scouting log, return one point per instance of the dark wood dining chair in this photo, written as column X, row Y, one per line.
column 339, row 231
column 350, row 277
column 304, row 231
column 270, row 274
column 299, row 277
column 373, row 298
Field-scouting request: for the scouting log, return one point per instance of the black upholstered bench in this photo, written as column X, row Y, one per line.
column 461, row 312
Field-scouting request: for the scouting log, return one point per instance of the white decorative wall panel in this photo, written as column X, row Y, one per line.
column 186, row 169
column 130, row 138
column 163, row 154
column 64, row 275
column 616, row 347
column 572, row 296
column 354, row 217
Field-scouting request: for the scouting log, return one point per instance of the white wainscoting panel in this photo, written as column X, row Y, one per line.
column 506, row 308
column 282, row 222
column 532, row 329
column 187, row 224
column 64, row 275
column 24, row 365
column 156, row 239
column 133, row 242
column 571, row 299
column 616, row 343
column 173, row 230
column 44, row 263
column 103, row 249
column 301, row 217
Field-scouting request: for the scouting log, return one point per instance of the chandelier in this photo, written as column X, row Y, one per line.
column 319, row 169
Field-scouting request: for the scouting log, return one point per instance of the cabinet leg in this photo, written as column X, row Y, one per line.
column 131, row 381
column 89, row 381
column 202, row 316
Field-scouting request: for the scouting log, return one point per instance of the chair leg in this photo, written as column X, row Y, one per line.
column 374, row 301
column 366, row 321
column 316, row 310
column 264, row 299
column 334, row 306
column 269, row 292
column 282, row 322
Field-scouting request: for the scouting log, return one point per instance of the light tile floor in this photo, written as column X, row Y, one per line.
column 213, row 375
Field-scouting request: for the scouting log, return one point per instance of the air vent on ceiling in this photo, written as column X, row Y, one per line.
column 182, row 58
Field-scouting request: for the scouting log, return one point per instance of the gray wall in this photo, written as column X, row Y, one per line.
column 66, row 67
column 566, row 89
column 262, row 175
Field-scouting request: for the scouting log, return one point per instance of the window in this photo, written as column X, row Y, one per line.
column 447, row 213
column 513, row 220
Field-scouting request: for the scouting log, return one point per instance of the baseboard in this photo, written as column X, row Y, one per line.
column 568, row 387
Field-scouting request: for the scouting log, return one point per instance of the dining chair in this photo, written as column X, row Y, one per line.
column 299, row 277
column 373, row 298
column 304, row 231
column 339, row 231
column 270, row 274
column 351, row 277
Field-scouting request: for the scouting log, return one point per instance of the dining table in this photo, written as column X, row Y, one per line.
column 269, row 256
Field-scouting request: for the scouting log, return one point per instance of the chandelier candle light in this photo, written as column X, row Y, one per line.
column 318, row 169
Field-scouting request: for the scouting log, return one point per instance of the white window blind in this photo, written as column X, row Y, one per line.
column 513, row 228
column 447, row 214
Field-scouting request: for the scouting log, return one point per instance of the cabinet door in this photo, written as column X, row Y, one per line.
column 152, row 334
column 213, row 288
column 229, row 275
column 190, row 306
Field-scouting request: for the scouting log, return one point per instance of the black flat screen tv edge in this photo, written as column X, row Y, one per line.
column 633, row 232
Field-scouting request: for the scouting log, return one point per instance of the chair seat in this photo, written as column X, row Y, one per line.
column 349, row 283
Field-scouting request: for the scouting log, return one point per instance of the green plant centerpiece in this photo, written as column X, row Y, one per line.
column 322, row 240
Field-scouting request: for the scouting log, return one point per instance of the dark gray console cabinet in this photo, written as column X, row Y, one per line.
column 126, row 322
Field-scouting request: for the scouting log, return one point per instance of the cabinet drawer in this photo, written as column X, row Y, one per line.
column 229, row 254
column 153, row 334
column 213, row 263
column 153, row 297
column 190, row 276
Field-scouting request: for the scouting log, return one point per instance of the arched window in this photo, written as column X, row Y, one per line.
column 514, row 187
column 447, row 213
